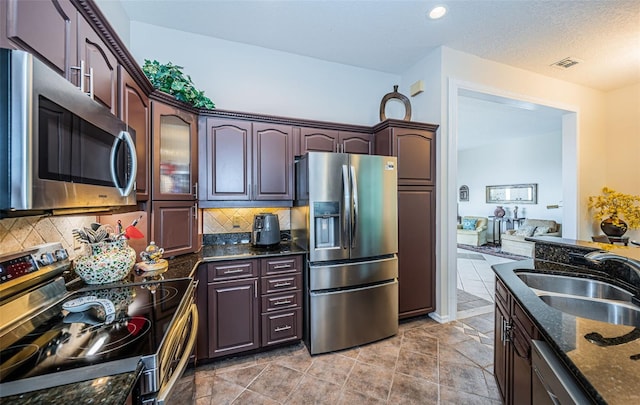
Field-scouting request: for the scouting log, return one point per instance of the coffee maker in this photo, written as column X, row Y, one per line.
column 266, row 230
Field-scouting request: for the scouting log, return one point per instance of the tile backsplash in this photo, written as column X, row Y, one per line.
column 21, row 233
column 231, row 220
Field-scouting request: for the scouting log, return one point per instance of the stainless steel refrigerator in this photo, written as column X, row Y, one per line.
column 346, row 217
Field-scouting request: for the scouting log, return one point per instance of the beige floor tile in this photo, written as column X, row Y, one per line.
column 334, row 368
column 276, row 382
column 242, row 376
column 461, row 377
column 418, row 365
column 370, row 380
column 411, row 390
column 253, row 398
column 314, row 391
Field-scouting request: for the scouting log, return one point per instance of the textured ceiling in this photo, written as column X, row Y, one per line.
column 392, row 35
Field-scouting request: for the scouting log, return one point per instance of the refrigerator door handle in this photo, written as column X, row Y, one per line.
column 354, row 207
column 346, row 213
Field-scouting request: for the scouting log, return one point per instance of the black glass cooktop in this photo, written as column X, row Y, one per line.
column 112, row 332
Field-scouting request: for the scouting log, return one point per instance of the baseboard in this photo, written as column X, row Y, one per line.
column 440, row 319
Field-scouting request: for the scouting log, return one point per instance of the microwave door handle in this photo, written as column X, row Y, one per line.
column 124, row 135
column 354, row 207
column 346, row 206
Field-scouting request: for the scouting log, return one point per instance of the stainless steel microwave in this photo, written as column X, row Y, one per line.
column 60, row 150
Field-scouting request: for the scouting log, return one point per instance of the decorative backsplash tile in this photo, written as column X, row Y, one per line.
column 21, row 233
column 231, row 220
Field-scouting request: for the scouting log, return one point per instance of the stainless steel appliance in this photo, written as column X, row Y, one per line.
column 551, row 383
column 61, row 150
column 266, row 230
column 346, row 217
column 50, row 336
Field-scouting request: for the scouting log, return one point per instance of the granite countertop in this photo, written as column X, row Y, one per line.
column 609, row 374
column 113, row 390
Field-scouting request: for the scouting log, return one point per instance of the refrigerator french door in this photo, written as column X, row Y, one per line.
column 347, row 219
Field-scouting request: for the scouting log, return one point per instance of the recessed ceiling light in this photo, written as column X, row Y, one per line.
column 437, row 12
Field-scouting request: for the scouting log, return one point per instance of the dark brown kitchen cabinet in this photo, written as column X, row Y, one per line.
column 174, row 226
column 246, row 161
column 416, row 259
column 134, row 110
column 55, row 32
column 175, row 153
column 45, row 28
column 249, row 304
column 413, row 144
column 100, row 78
column 514, row 332
column 325, row 140
column 415, row 149
column 233, row 321
column 272, row 162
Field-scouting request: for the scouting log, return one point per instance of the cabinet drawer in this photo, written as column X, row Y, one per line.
column 232, row 270
column 502, row 293
column 285, row 282
column 523, row 320
column 275, row 302
column 287, row 264
column 281, row 326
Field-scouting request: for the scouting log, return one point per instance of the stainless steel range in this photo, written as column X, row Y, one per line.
column 50, row 336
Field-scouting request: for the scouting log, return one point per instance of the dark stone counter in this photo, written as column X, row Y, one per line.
column 609, row 374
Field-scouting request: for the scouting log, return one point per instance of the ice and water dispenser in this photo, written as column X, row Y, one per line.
column 327, row 224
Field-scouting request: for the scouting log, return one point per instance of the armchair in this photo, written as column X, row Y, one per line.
column 472, row 231
column 513, row 239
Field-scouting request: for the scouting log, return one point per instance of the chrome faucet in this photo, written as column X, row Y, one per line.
column 602, row 256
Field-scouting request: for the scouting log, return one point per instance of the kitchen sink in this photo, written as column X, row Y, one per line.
column 619, row 313
column 581, row 287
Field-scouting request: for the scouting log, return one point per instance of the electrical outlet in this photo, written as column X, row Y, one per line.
column 236, row 221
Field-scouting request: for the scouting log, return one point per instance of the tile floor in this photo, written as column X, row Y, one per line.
column 426, row 363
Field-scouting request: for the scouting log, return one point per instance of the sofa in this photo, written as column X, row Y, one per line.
column 513, row 239
column 472, row 231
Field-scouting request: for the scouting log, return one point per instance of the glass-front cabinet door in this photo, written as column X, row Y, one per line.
column 174, row 153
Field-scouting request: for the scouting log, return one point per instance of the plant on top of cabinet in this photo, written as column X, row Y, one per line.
column 170, row 79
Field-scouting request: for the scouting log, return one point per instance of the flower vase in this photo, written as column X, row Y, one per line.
column 105, row 262
column 499, row 212
column 610, row 228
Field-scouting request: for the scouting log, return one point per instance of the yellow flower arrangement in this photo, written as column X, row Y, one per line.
column 616, row 206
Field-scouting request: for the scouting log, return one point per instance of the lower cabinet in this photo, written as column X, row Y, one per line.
column 249, row 304
column 512, row 351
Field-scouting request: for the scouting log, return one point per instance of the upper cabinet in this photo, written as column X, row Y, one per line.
column 245, row 161
column 45, row 28
column 326, row 140
column 98, row 67
column 135, row 111
column 175, row 160
column 413, row 147
column 55, row 32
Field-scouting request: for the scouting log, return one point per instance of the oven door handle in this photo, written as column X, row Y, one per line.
column 166, row 389
column 128, row 188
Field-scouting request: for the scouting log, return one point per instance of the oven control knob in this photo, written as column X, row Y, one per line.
column 61, row 254
column 47, row 258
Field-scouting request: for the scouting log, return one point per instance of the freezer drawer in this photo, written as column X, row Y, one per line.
column 348, row 274
column 348, row 318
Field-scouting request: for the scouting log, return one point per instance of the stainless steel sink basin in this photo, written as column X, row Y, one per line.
column 581, row 287
column 618, row 313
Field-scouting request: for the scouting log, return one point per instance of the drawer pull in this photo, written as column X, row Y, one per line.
column 283, row 284
column 283, row 302
column 281, row 266
column 281, row 328
column 233, row 271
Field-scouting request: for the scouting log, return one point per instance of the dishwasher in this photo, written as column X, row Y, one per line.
column 551, row 382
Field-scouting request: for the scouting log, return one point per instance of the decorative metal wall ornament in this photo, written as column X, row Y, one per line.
column 399, row 96
column 464, row 193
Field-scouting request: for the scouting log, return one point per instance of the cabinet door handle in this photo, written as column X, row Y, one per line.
column 233, row 271
column 282, row 284
column 255, row 288
column 81, row 75
column 281, row 266
column 283, row 302
column 195, row 190
column 91, row 83
column 281, row 328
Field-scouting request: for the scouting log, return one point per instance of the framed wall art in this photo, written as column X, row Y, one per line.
column 513, row 193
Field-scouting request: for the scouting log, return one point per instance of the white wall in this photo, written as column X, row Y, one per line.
column 622, row 143
column 252, row 79
column 117, row 18
column 536, row 159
